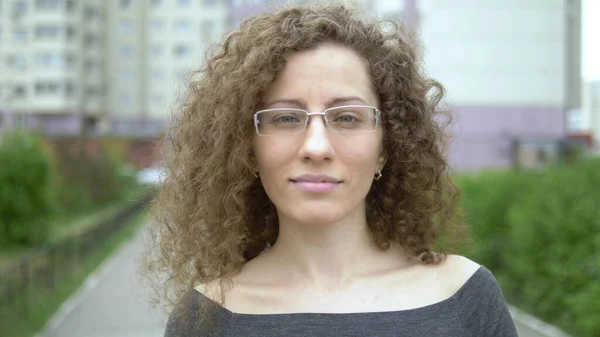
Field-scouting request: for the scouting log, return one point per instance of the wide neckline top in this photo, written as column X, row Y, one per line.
column 472, row 282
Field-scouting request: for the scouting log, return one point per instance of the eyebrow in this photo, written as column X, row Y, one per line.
column 334, row 101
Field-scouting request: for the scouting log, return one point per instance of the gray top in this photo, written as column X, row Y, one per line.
column 477, row 309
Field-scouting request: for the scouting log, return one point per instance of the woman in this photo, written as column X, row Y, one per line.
column 308, row 190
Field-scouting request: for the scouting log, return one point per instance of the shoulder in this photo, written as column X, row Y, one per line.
column 192, row 313
column 480, row 303
column 455, row 272
column 182, row 316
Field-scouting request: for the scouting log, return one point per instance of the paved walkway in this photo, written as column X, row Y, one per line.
column 112, row 304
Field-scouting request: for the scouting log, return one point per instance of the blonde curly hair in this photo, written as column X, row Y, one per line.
column 212, row 215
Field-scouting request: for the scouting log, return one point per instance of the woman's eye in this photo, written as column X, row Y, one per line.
column 286, row 119
column 346, row 119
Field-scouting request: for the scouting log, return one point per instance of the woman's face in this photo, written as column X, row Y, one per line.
column 319, row 176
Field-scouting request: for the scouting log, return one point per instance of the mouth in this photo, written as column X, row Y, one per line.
column 316, row 183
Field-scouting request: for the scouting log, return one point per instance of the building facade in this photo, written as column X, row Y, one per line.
column 589, row 122
column 153, row 48
column 511, row 67
column 51, row 64
column 512, row 70
column 95, row 66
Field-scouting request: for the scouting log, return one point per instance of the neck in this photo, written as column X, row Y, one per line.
column 329, row 255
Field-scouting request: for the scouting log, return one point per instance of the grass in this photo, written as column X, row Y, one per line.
column 18, row 322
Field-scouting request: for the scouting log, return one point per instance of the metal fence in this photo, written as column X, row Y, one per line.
column 43, row 270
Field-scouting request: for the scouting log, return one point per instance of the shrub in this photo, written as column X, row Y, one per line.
column 27, row 198
column 89, row 176
column 539, row 232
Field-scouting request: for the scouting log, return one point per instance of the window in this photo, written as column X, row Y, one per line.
column 158, row 25
column 46, row 88
column 125, row 3
column 94, row 91
column 54, row 60
column 70, row 32
column 157, row 74
column 91, row 13
column 210, row 3
column 183, row 26
column 91, row 40
column 20, row 34
column 156, row 3
column 126, row 99
column 47, row 4
column 208, row 29
column 69, row 60
column 19, row 91
column 69, row 89
column 91, row 65
column 156, row 50
column 126, row 51
column 17, row 62
column 19, row 8
column 47, row 31
column 181, row 50
column 126, row 27
column 125, row 75
column 183, row 3
column 45, row 60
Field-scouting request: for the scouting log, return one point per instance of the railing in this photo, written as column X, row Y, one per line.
column 43, row 270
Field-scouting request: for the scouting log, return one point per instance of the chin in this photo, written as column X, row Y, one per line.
column 316, row 215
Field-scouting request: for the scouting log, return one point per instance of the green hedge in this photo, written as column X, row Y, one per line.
column 27, row 197
column 539, row 232
column 88, row 176
column 40, row 185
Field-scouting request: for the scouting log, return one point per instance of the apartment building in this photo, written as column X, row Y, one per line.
column 512, row 70
column 114, row 66
column 51, row 64
column 152, row 49
column 511, row 67
column 589, row 121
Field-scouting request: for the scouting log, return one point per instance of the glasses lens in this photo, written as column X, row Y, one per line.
column 352, row 119
column 278, row 121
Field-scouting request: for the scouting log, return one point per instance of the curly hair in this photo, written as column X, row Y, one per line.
column 212, row 215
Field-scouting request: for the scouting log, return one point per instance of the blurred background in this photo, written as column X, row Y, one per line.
column 87, row 86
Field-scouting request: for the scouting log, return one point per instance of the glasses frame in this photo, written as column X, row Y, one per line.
column 321, row 113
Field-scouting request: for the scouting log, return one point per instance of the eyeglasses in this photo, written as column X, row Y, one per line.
column 344, row 119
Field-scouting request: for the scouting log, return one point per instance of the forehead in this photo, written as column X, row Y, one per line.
column 322, row 72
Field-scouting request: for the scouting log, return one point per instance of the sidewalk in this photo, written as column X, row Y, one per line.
column 112, row 304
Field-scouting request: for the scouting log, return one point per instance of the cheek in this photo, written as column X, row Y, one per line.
column 271, row 155
column 360, row 157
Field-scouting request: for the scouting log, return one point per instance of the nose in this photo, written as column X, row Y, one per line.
column 317, row 145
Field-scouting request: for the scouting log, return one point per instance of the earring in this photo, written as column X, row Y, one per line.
column 256, row 174
column 378, row 175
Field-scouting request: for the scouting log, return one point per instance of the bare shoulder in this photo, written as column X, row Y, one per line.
column 455, row 271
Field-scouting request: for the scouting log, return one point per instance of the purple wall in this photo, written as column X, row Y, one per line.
column 49, row 124
column 483, row 135
column 410, row 15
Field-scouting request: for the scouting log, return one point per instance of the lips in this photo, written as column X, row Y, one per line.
column 316, row 183
column 316, row 178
